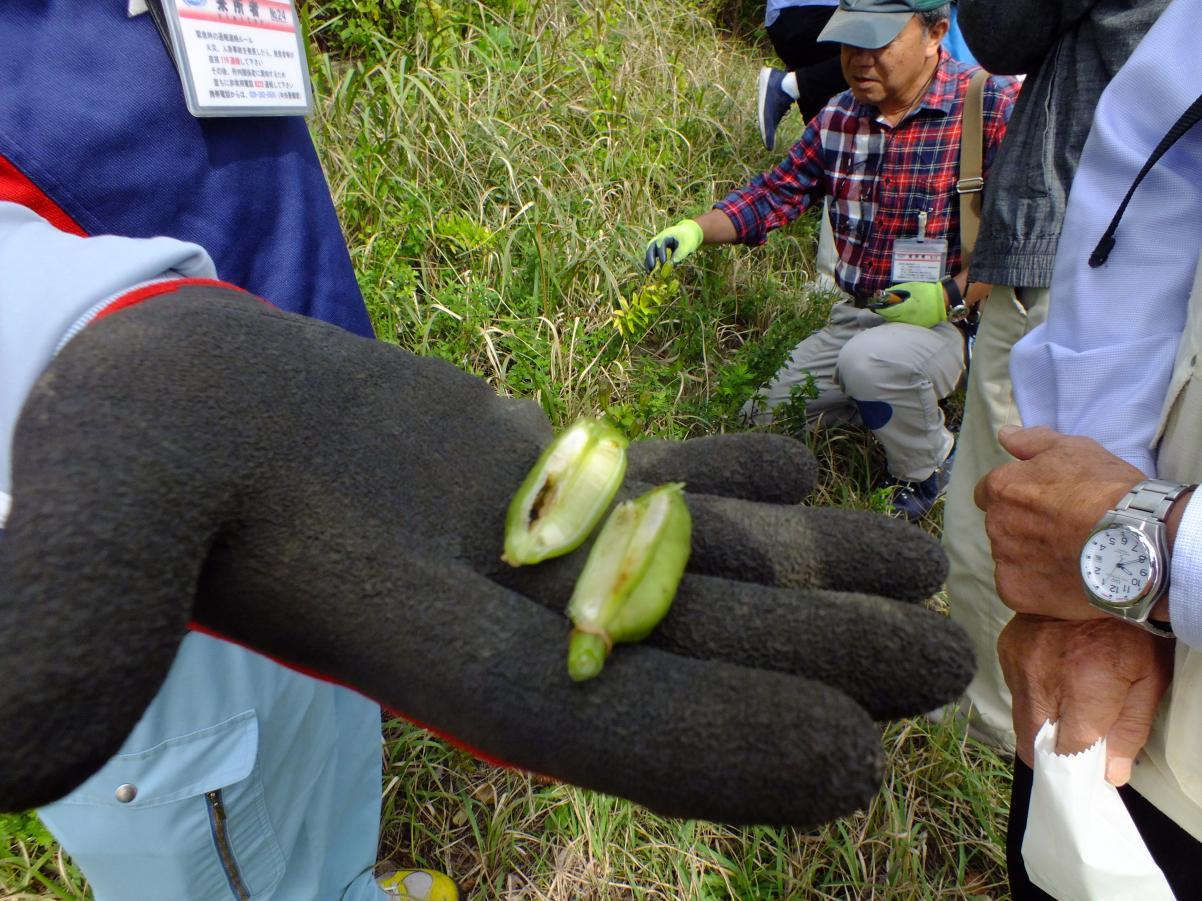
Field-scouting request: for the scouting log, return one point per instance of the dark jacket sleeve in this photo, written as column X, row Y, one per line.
column 1013, row 37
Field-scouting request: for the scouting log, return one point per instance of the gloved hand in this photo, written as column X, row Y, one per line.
column 674, row 243
column 339, row 505
column 925, row 304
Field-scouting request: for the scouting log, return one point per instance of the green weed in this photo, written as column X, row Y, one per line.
column 33, row 866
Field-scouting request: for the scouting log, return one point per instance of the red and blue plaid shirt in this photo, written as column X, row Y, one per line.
column 879, row 177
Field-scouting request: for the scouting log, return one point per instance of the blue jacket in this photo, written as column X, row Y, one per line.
column 93, row 114
column 248, row 779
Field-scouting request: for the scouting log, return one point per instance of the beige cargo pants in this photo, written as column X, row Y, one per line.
column 887, row 376
column 972, row 596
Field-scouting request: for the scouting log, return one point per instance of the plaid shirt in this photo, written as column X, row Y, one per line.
column 878, row 176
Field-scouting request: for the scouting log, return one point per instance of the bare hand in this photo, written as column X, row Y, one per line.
column 1099, row 678
column 1038, row 512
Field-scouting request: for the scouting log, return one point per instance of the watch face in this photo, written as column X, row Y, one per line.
column 1118, row 565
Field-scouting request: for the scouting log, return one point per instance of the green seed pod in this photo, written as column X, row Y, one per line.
column 565, row 494
column 630, row 578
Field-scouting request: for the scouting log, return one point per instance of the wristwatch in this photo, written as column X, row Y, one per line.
column 1125, row 561
column 957, row 309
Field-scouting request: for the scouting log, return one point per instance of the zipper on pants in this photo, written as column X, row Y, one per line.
column 221, row 839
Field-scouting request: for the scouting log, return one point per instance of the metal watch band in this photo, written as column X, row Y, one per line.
column 1154, row 497
column 1149, row 500
column 1164, row 630
column 1146, row 624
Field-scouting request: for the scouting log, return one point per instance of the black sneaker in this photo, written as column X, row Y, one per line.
column 772, row 104
column 914, row 500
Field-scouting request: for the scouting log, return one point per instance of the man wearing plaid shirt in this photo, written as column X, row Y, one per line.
column 884, row 152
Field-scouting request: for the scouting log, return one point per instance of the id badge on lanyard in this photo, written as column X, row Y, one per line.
column 235, row 57
column 919, row 259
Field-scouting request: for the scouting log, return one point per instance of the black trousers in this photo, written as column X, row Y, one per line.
column 1175, row 851
column 819, row 73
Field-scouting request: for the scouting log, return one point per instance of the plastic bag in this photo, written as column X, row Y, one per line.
column 1081, row 844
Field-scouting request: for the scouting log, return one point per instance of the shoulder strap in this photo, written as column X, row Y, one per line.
column 971, row 182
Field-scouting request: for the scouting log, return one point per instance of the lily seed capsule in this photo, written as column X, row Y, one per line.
column 566, row 493
column 630, row 578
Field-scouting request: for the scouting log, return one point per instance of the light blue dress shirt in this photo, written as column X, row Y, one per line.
column 1100, row 365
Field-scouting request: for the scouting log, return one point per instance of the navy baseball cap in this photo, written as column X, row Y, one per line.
column 872, row 24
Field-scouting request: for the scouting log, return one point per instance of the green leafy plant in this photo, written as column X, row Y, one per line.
column 634, row 316
column 461, row 232
column 790, row 417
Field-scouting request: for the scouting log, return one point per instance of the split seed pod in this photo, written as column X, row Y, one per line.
column 630, row 578
column 566, row 493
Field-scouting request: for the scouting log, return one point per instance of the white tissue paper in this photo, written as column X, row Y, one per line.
column 1081, row 844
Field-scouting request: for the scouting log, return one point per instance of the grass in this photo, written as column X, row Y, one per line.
column 499, row 168
column 934, row 831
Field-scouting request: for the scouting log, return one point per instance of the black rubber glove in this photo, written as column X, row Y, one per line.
column 339, row 504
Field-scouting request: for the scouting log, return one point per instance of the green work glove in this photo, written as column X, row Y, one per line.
column 922, row 303
column 673, row 243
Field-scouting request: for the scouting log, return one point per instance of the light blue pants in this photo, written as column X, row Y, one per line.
column 243, row 779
